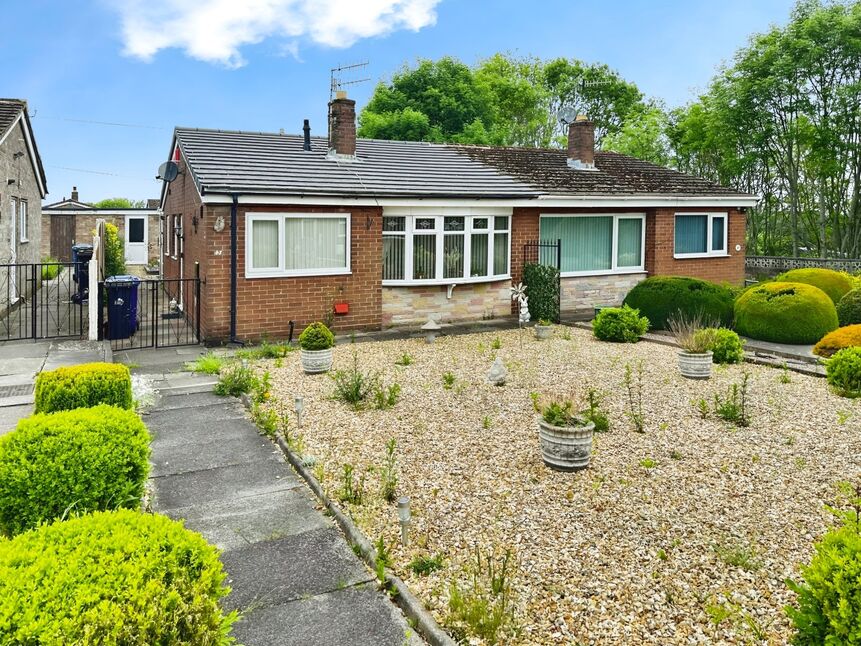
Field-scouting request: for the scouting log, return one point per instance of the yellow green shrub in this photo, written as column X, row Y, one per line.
column 83, row 386
column 833, row 283
column 794, row 313
column 843, row 337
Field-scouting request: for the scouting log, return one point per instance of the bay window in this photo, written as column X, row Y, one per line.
column 445, row 248
column 597, row 243
column 700, row 234
column 297, row 244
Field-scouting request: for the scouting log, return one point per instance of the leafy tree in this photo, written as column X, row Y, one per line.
column 119, row 203
column 644, row 136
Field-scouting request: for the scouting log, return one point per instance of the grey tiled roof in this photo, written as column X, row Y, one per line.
column 616, row 174
column 268, row 163
column 9, row 111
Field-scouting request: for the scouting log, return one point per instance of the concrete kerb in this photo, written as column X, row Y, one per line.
column 422, row 620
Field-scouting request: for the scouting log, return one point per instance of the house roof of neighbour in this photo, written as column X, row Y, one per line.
column 10, row 112
column 254, row 163
column 73, row 207
column 271, row 163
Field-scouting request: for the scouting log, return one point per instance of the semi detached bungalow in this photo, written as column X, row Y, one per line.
column 374, row 234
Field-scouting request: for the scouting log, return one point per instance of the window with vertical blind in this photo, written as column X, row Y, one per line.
column 597, row 243
column 420, row 249
column 297, row 244
column 700, row 234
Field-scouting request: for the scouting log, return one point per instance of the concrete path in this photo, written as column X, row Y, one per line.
column 293, row 576
column 21, row 361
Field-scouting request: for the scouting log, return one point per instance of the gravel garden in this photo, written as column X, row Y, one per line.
column 683, row 529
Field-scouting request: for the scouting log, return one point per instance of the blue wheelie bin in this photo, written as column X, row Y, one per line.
column 122, row 292
column 81, row 254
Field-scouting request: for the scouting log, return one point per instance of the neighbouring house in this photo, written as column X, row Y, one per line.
column 22, row 188
column 372, row 234
column 71, row 221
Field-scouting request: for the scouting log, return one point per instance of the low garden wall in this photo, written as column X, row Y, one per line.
column 585, row 292
column 468, row 302
column 773, row 265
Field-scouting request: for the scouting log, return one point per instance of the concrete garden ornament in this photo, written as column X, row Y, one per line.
column 497, row 373
column 431, row 329
column 518, row 295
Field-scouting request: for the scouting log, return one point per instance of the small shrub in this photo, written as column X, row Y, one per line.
column 692, row 332
column 266, row 420
column 389, row 473
column 542, row 288
column 386, row 397
column 733, row 407
column 83, row 386
column 208, row 364
column 545, row 322
column 793, row 313
column 235, row 381
column 316, row 337
column 633, row 381
column 448, row 380
column 115, row 256
column 496, row 344
column 265, row 350
column 352, row 491
column 703, row 408
column 648, row 463
column 620, row 324
column 50, row 268
column 842, row 337
column 261, row 389
column 404, row 360
column 727, row 347
column 829, row 598
column 71, row 461
column 119, row 577
column 843, row 372
column 660, row 297
column 849, row 307
column 425, row 565
column 353, row 386
column 833, row 283
column 594, row 413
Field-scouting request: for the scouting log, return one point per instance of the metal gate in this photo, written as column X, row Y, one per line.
column 547, row 253
column 151, row 313
column 41, row 301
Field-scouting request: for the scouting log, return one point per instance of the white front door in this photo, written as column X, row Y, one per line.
column 136, row 240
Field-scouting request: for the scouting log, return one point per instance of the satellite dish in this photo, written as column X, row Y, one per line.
column 567, row 114
column 167, row 171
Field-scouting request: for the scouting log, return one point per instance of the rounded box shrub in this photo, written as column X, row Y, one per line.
column 73, row 461
column 83, row 386
column 316, row 337
column 727, row 347
column 118, row 577
column 849, row 307
column 794, row 313
column 843, row 372
column 843, row 337
column 833, row 283
column 661, row 297
column 620, row 324
column 829, row 598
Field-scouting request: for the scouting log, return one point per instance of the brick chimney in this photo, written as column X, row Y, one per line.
column 581, row 143
column 342, row 126
column 74, row 193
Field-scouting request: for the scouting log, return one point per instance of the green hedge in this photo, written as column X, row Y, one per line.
column 118, row 577
column 83, row 386
column 660, row 297
column 843, row 372
column 833, row 283
column 72, row 461
column 785, row 313
column 727, row 347
column 542, row 289
column 620, row 324
column 849, row 308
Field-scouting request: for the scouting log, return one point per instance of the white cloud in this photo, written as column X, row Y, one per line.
column 215, row 30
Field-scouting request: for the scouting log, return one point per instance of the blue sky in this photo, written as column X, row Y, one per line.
column 263, row 68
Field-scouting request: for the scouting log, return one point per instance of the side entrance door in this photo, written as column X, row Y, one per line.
column 136, row 240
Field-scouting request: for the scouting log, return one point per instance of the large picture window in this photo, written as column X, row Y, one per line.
column 700, row 234
column 597, row 243
column 293, row 244
column 445, row 248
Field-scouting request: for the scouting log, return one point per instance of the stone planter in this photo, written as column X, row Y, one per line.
column 695, row 366
column 316, row 361
column 543, row 331
column 566, row 448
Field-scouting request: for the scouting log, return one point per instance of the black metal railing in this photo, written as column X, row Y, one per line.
column 152, row 313
column 42, row 301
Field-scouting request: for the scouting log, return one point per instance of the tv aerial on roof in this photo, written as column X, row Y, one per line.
column 339, row 77
column 168, row 171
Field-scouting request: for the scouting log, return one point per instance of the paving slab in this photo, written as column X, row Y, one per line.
column 237, row 523
column 277, row 571
column 170, row 429
column 355, row 616
column 223, row 452
column 9, row 416
column 223, row 483
column 186, row 401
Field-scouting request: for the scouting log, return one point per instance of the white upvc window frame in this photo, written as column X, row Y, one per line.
column 709, row 253
column 614, row 266
column 23, row 221
column 252, row 216
column 439, row 215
